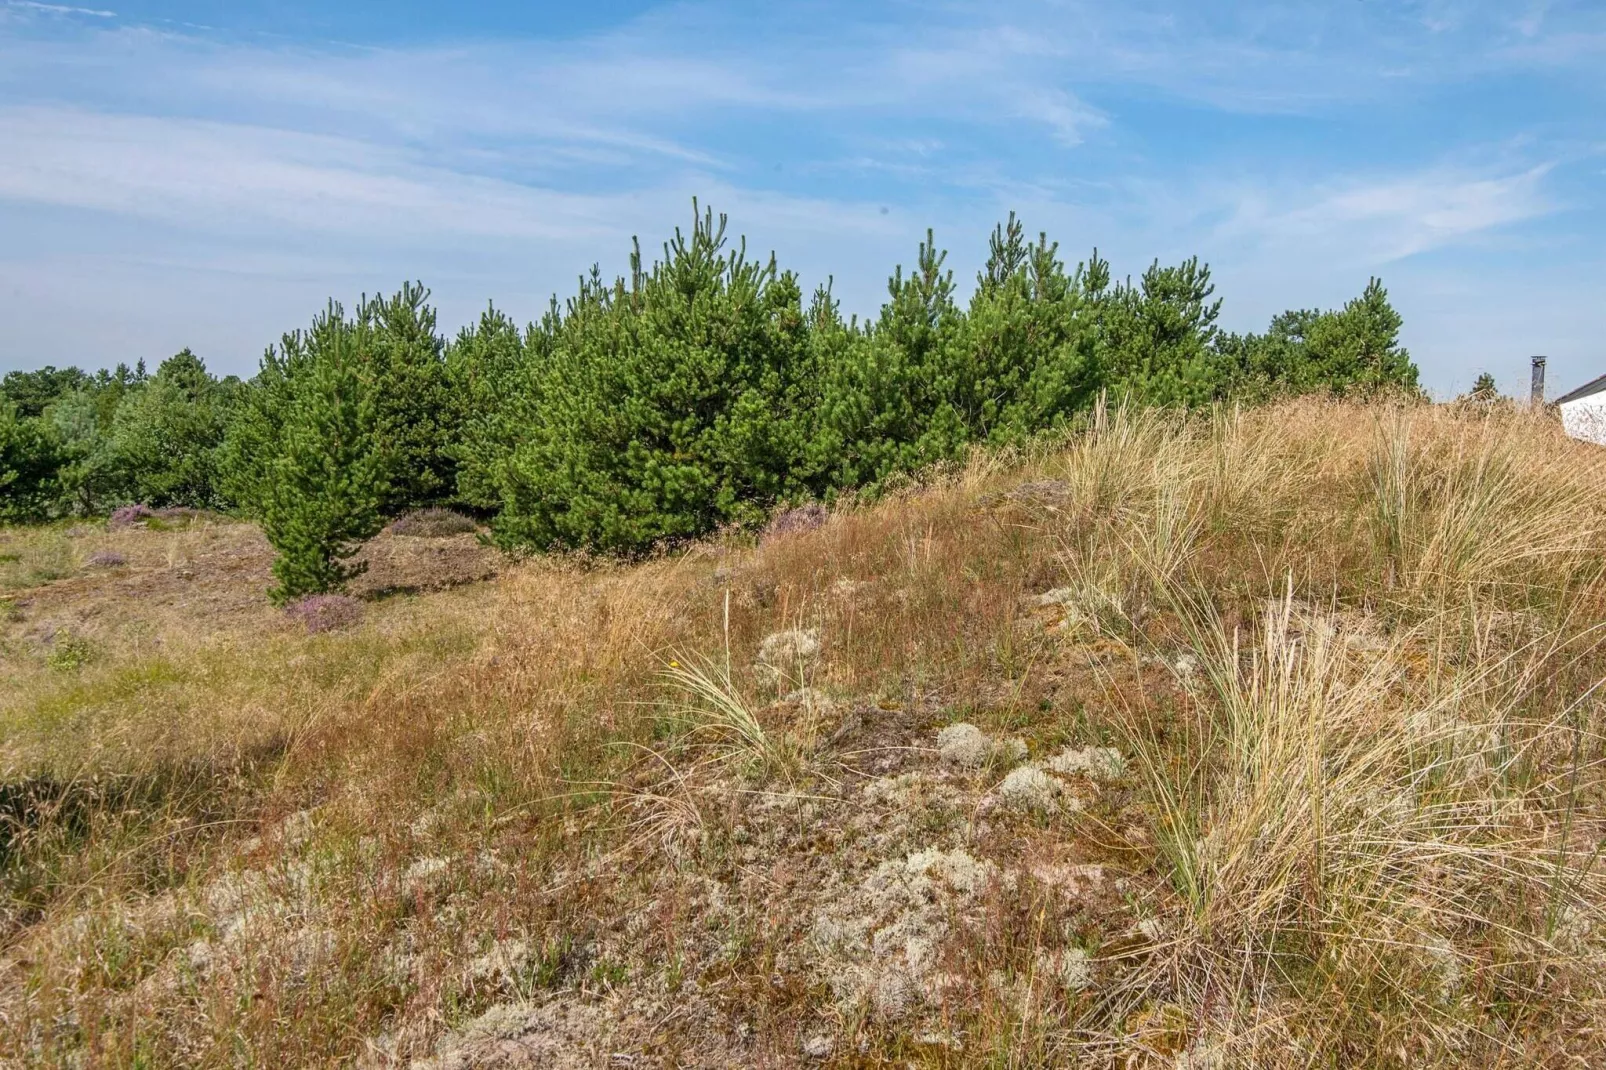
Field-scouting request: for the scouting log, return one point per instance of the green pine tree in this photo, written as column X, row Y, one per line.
column 34, row 392
column 1157, row 338
column 321, row 492
column 492, row 377
column 893, row 397
column 29, row 462
column 668, row 404
column 92, row 478
column 1353, row 351
column 1028, row 361
column 412, row 402
column 166, row 435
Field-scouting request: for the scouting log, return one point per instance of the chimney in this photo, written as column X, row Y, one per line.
column 1536, row 393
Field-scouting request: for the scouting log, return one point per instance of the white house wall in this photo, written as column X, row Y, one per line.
column 1586, row 418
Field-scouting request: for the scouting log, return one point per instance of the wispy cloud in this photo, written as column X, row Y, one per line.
column 1387, row 219
column 232, row 178
column 59, row 9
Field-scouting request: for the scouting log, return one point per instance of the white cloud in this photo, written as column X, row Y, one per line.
column 1387, row 219
column 232, row 177
column 60, row 9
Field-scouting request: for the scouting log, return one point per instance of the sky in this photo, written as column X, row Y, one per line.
column 176, row 173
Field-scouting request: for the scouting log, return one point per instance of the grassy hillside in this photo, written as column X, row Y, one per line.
column 1261, row 739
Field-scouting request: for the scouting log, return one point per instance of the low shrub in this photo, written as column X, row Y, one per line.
column 127, row 516
column 433, row 523
column 69, row 651
column 325, row 612
column 796, row 521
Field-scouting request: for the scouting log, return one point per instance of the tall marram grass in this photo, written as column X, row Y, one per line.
column 1373, row 848
column 1369, row 810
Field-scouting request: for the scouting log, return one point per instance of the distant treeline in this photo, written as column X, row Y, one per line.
column 698, row 392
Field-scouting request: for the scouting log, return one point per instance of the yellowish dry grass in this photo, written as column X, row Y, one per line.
column 1350, row 655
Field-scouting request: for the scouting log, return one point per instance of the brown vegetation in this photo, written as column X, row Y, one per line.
column 1281, row 747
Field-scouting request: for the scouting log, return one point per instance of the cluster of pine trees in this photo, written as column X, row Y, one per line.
column 698, row 392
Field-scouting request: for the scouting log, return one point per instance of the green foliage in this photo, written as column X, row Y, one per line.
column 33, row 392
column 73, row 412
column 1484, row 389
column 668, row 405
column 889, row 402
column 29, row 462
column 1352, row 351
column 69, row 652
column 1157, row 339
column 393, row 349
column 491, row 395
column 695, row 394
column 1030, row 356
column 92, row 478
column 165, row 437
column 253, row 440
column 405, row 360
column 320, row 487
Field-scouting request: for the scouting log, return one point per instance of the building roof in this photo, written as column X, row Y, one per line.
column 1594, row 386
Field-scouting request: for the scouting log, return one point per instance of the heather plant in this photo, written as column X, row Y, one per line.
column 796, row 521
column 324, row 612
column 432, row 523
column 126, row 516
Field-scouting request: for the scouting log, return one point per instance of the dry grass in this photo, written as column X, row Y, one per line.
column 693, row 812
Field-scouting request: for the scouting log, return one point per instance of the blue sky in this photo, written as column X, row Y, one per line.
column 184, row 173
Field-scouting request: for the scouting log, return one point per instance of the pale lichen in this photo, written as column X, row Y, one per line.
column 967, row 746
column 1095, row 763
column 1027, row 787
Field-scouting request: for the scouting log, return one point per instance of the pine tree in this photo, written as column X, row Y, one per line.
column 1157, row 338
column 29, row 461
column 492, row 374
column 92, row 477
column 1351, row 351
column 669, row 404
column 892, row 400
column 413, row 409
column 166, row 435
column 253, row 441
column 1029, row 354
column 325, row 482
column 1484, row 389
column 34, row 392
